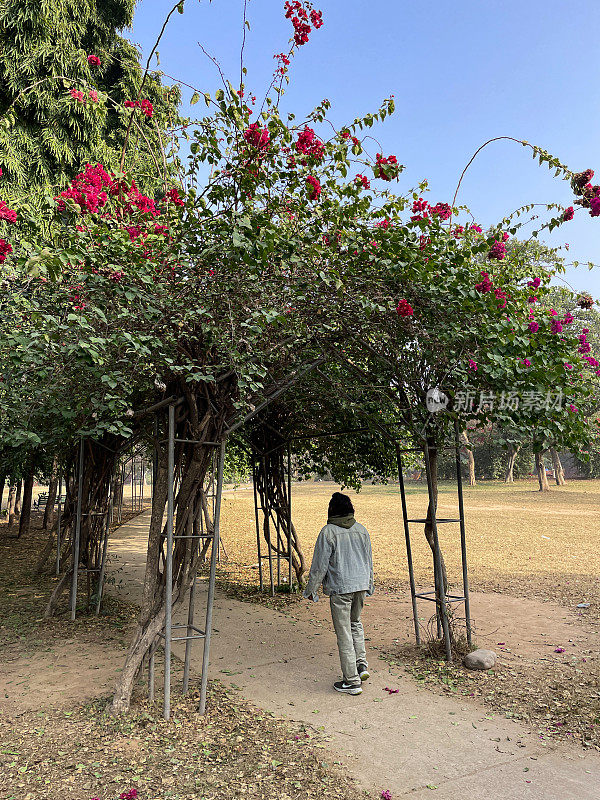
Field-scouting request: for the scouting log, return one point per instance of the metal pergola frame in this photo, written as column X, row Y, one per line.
column 437, row 594
column 194, row 633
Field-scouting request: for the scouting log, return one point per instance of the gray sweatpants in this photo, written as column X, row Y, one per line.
column 345, row 613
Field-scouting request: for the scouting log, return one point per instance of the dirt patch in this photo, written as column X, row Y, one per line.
column 57, row 741
column 234, row 750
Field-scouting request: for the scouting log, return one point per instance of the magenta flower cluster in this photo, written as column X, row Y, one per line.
column 309, row 145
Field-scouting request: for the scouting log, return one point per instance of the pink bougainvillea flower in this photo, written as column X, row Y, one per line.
column 442, row 210
column 534, row 283
column 93, row 96
column 315, row 190
column 574, row 410
column 384, row 223
column 476, row 228
column 485, row 285
column 174, row 197
column 500, row 295
column 7, row 213
column 534, row 326
column 532, row 299
column 404, row 308
column 93, row 61
column 309, row 145
column 568, row 318
column 363, row 181
column 505, row 236
column 497, row 251
column 568, row 366
column 472, row 365
column 147, row 108
column 526, row 362
column 386, row 168
column 78, row 95
column 556, row 326
column 568, row 214
column 256, row 136
column 5, row 249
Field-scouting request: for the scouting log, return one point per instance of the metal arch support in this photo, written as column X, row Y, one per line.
column 463, row 536
column 77, row 537
column 411, row 573
column 211, row 580
column 169, row 563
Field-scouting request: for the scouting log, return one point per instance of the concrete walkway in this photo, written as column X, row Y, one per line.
column 414, row 743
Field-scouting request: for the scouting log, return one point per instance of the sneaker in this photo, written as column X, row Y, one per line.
column 347, row 688
column 363, row 671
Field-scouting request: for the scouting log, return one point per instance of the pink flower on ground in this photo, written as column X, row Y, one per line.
column 386, row 795
column 404, row 308
column 561, row 649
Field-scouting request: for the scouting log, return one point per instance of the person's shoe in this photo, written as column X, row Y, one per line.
column 347, row 688
column 363, row 671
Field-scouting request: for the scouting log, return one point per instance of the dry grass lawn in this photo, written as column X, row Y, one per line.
column 518, row 539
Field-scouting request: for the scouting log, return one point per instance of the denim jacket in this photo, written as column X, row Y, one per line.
column 342, row 562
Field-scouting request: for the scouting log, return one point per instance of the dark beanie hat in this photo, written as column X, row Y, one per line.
column 340, row 505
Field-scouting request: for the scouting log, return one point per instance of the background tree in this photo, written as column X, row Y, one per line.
column 65, row 72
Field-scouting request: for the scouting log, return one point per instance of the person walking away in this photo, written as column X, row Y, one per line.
column 343, row 563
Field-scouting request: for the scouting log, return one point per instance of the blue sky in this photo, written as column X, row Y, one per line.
column 461, row 72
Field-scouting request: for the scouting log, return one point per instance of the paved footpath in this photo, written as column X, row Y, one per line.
column 415, row 743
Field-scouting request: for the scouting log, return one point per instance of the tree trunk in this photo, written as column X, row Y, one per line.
column 470, row 457
column 2, row 486
column 12, row 497
column 559, row 473
column 512, row 457
column 431, row 512
column 18, row 498
column 52, row 488
column 541, row 472
column 25, row 519
column 200, row 419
